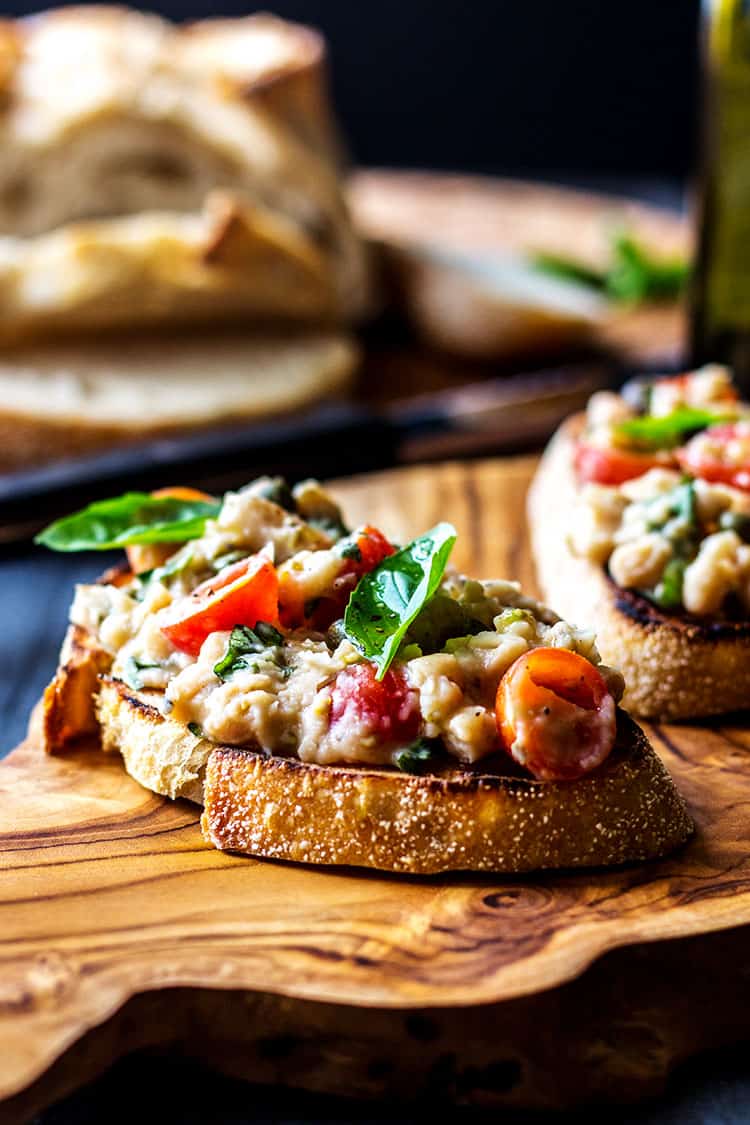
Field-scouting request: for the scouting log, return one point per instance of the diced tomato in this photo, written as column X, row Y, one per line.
column 146, row 556
column 242, row 594
column 609, row 465
column 361, row 553
column 555, row 714
column 388, row 709
column 372, row 547
column 720, row 454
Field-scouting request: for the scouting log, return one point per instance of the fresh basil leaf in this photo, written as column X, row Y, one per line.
column 135, row 517
column 441, row 619
column 351, row 551
column 387, row 600
column 418, row 757
column 633, row 274
column 131, row 672
column 568, row 269
column 663, row 432
column 245, row 642
column 637, row 275
column 277, row 490
column 667, row 594
column 196, row 729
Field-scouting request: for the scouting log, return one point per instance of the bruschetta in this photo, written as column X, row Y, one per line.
column 640, row 525
column 331, row 698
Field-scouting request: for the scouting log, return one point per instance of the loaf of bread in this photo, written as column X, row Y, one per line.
column 117, row 130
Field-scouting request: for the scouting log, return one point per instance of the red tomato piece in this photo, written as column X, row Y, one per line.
column 387, row 708
column 720, row 454
column 242, row 594
column 555, row 714
column 146, row 556
column 363, row 551
column 610, row 465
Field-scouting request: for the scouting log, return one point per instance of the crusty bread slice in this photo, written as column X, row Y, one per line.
column 107, row 113
column 674, row 667
column 68, row 399
column 282, row 808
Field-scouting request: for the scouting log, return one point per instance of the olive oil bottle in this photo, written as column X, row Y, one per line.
column 720, row 295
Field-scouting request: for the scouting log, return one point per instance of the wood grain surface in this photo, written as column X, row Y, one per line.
column 486, row 216
column 109, row 894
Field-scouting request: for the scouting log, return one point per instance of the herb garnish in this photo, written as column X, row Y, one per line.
column 418, row 757
column 653, row 431
column 135, row 517
column 243, row 643
column 196, row 729
column 634, row 274
column 387, row 600
column 131, row 671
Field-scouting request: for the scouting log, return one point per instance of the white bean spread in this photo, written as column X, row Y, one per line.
column 298, row 683
column 664, row 497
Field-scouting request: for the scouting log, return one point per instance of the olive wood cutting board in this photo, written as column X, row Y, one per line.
column 120, row 928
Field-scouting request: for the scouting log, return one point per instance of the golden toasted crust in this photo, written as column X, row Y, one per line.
column 282, row 808
column 286, row 809
column 68, row 704
column 674, row 668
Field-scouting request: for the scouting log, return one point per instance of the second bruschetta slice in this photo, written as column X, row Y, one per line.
column 639, row 517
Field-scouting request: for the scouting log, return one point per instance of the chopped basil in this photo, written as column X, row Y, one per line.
column 441, row 619
column 196, row 729
column 136, row 517
column 418, row 757
column 278, row 492
column 245, row 642
column 131, row 671
column 634, row 274
column 675, row 514
column 387, row 600
column 667, row 593
column 351, row 551
column 654, row 431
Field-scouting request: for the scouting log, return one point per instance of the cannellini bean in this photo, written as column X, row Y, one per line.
column 713, row 574
column 641, row 561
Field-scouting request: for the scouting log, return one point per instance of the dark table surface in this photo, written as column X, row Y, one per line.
column 35, row 589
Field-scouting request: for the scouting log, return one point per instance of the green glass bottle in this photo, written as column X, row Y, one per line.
column 720, row 293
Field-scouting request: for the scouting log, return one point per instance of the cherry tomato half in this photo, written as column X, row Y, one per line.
column 555, row 714
column 146, row 556
column 614, row 466
column 242, row 594
column 720, row 454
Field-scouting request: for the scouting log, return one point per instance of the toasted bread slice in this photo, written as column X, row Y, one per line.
column 675, row 667
column 282, row 808
column 66, row 399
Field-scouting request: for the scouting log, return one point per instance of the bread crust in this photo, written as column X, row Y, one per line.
column 674, row 667
column 282, row 808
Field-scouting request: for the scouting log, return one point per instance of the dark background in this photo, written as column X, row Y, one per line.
column 553, row 87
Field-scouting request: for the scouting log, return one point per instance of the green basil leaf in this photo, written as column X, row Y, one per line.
column 637, row 275
column 387, row 600
column 245, row 642
column 655, row 432
column 131, row 672
column 667, row 594
column 568, row 269
column 135, row 517
column 418, row 757
column 196, row 729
